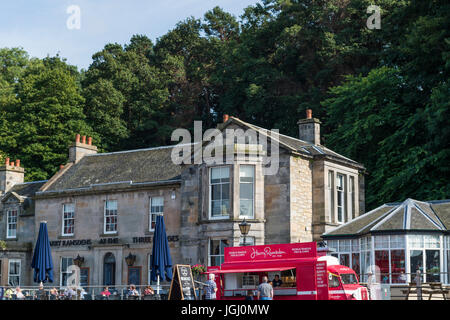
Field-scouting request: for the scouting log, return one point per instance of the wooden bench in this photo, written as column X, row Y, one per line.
column 435, row 288
column 411, row 290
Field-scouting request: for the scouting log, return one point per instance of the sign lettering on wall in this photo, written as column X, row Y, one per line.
column 88, row 242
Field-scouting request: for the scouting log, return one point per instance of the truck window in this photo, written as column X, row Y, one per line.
column 348, row 278
column 333, row 280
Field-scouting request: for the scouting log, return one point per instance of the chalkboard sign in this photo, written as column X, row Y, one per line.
column 182, row 286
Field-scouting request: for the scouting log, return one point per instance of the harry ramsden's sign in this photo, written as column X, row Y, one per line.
column 271, row 252
column 88, row 242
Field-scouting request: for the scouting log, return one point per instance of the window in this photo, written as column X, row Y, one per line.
column 333, row 280
column 217, row 251
column 351, row 191
column 382, row 262
column 110, row 218
column 220, row 192
column 156, row 208
column 84, row 277
column 348, row 278
column 11, row 226
column 246, row 190
column 340, row 187
column 14, row 273
column 66, row 272
column 68, row 224
column 398, row 270
column 249, row 241
column 331, row 194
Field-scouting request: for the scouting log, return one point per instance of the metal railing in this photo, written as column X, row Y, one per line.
column 117, row 292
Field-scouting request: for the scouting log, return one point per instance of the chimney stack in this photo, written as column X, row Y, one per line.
column 10, row 174
column 79, row 149
column 309, row 128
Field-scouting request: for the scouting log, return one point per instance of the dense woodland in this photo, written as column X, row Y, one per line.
column 382, row 94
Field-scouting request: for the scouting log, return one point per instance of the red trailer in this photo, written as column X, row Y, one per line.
column 306, row 273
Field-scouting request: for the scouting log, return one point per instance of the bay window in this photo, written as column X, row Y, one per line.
column 246, row 190
column 340, row 189
column 219, row 192
column 330, row 187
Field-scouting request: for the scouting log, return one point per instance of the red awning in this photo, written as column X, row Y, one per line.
column 261, row 269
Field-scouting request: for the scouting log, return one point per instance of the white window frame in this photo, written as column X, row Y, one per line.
column 219, row 217
column 330, row 187
column 343, row 200
column 64, row 219
column 8, row 224
column 253, row 191
column 116, row 215
column 63, row 272
column 215, row 255
column 154, row 214
column 14, row 275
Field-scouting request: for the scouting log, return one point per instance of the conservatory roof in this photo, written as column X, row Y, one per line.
column 409, row 215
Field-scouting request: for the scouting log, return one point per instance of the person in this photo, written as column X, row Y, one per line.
column 149, row 291
column 40, row 294
column 19, row 293
column 210, row 288
column 132, row 291
column 54, row 294
column 249, row 295
column 8, row 293
column 277, row 282
column 105, row 293
column 265, row 290
column 69, row 293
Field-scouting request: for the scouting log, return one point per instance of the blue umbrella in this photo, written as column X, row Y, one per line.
column 42, row 258
column 161, row 260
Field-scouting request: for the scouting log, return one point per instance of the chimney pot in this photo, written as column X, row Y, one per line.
column 61, row 166
column 83, row 139
column 7, row 161
column 90, row 141
column 308, row 113
column 18, row 163
column 226, row 117
column 77, row 138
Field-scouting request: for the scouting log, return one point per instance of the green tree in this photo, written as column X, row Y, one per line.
column 45, row 116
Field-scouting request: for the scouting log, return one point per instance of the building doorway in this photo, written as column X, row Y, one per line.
column 109, row 269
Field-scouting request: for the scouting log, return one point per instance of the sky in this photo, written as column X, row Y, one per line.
column 49, row 27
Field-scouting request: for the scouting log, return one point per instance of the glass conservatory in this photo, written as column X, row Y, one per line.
column 398, row 239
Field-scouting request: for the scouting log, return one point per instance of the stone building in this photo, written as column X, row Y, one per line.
column 100, row 207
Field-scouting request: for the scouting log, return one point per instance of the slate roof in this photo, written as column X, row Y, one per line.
column 301, row 146
column 130, row 167
column 27, row 189
column 410, row 215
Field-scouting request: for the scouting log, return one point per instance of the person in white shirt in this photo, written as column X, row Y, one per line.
column 19, row 294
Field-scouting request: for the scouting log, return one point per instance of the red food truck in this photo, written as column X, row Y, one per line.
column 306, row 273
